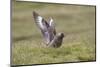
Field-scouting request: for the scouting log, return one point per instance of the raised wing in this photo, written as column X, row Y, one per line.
column 44, row 27
column 41, row 23
column 52, row 25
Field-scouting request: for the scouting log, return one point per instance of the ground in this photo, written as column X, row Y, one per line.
column 75, row 21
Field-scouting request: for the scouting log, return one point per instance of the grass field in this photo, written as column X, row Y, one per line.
column 77, row 23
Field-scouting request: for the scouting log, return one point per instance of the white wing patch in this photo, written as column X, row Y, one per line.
column 51, row 22
column 52, row 25
column 39, row 20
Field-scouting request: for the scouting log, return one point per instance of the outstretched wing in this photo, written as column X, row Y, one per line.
column 41, row 23
column 52, row 26
column 44, row 27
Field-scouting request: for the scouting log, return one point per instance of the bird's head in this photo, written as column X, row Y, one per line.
column 61, row 35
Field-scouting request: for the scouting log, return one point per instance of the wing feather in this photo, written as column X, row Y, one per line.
column 44, row 27
column 52, row 25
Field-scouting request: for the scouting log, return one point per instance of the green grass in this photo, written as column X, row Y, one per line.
column 77, row 23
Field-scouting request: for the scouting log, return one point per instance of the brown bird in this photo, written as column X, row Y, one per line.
column 48, row 31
